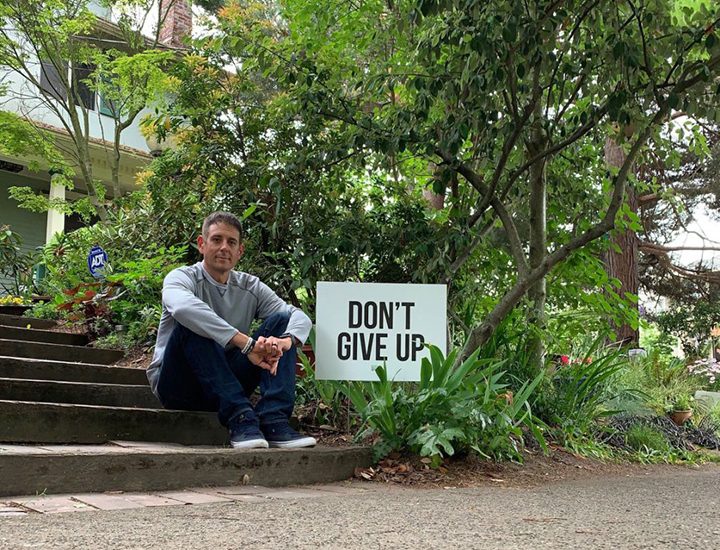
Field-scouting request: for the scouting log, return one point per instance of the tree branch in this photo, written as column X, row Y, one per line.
column 482, row 333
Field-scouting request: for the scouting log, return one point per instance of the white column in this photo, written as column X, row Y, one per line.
column 55, row 218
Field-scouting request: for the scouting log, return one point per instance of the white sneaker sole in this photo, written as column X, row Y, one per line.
column 250, row 444
column 294, row 444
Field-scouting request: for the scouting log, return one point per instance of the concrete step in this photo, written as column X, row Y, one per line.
column 19, row 321
column 49, row 469
column 35, row 422
column 13, row 309
column 82, row 393
column 40, row 335
column 58, row 352
column 45, row 369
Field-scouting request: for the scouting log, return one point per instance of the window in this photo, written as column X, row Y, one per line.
column 51, row 81
column 53, row 84
column 106, row 106
column 86, row 95
column 75, row 221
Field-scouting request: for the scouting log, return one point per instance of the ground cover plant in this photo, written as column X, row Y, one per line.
column 582, row 393
column 451, row 410
column 658, row 437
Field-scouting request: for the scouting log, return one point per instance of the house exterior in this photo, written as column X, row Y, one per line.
column 24, row 98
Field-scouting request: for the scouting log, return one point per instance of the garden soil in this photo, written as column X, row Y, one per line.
column 536, row 469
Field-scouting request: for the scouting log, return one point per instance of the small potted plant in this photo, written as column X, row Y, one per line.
column 680, row 408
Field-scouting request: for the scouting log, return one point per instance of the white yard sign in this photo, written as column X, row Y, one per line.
column 363, row 325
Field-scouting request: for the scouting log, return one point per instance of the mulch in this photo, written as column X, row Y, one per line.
column 536, row 469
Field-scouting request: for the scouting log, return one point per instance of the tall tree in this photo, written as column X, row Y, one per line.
column 501, row 94
column 64, row 54
column 674, row 186
column 622, row 255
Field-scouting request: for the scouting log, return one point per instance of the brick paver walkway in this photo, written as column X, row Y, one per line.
column 118, row 500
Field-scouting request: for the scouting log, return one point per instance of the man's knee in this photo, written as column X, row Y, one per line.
column 275, row 324
column 184, row 335
column 189, row 347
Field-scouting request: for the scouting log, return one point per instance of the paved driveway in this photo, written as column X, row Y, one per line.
column 677, row 509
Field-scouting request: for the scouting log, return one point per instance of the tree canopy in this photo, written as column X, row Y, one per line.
column 62, row 53
column 501, row 108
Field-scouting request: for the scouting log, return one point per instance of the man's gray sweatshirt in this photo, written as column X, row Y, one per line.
column 194, row 299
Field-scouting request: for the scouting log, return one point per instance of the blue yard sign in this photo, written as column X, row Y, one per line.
column 97, row 258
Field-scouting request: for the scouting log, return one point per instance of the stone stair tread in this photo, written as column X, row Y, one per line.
column 37, row 330
column 20, row 321
column 14, row 309
column 64, row 362
column 31, row 471
column 69, row 348
column 52, row 423
column 90, row 393
column 71, row 371
column 40, row 335
column 71, row 383
column 144, row 447
column 158, row 410
column 61, row 352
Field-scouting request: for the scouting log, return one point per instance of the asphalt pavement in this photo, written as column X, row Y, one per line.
column 676, row 509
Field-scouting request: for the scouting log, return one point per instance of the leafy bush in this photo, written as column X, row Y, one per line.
column 584, row 391
column 659, row 378
column 467, row 408
column 137, row 305
column 128, row 297
column 641, row 437
column 653, row 338
column 15, row 265
column 325, row 396
column 136, row 231
column 123, row 309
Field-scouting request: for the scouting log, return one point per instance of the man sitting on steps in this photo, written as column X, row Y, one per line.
column 205, row 360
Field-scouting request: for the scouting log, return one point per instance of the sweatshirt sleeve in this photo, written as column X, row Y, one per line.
column 179, row 299
column 299, row 324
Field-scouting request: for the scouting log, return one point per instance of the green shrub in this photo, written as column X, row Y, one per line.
column 584, row 391
column 137, row 306
column 326, row 395
column 646, row 438
column 654, row 339
column 659, row 378
column 451, row 409
column 123, row 310
column 15, row 265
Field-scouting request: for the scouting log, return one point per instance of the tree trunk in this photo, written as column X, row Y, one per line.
column 480, row 334
column 623, row 265
column 538, row 243
column 435, row 200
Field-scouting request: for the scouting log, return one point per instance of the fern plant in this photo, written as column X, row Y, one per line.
column 452, row 409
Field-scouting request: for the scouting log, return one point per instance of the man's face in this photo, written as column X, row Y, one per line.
column 221, row 248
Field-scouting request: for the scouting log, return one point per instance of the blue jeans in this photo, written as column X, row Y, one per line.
column 198, row 374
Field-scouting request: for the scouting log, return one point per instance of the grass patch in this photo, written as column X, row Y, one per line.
column 640, row 437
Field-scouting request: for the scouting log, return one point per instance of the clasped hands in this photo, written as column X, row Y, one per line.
column 267, row 352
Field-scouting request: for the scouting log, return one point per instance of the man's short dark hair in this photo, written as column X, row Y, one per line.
column 221, row 217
